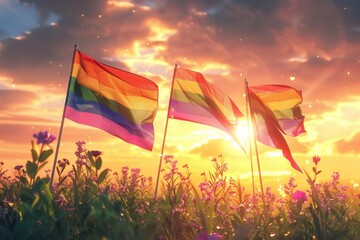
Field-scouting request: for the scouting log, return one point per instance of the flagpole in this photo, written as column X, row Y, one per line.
column 62, row 121
column 165, row 132
column 249, row 136
column 255, row 133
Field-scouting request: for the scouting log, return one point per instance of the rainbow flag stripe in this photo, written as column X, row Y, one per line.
column 121, row 103
column 284, row 102
column 196, row 100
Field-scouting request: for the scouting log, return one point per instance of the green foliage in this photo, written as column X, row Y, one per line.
column 88, row 202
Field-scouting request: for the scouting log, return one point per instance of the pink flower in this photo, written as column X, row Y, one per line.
column 316, row 159
column 125, row 170
column 299, row 196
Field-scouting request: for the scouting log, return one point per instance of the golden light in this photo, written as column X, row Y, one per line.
column 242, row 132
column 121, row 4
column 159, row 31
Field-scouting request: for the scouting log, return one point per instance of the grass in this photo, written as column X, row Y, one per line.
column 88, row 202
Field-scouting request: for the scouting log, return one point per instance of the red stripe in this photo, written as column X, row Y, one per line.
column 130, row 78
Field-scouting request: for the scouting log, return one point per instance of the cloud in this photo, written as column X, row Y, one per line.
column 15, row 133
column 349, row 144
column 253, row 39
column 16, row 99
column 215, row 147
column 88, row 23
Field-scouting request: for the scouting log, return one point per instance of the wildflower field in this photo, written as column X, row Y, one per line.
column 86, row 201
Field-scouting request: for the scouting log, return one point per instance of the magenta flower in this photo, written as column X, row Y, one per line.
column 299, row 196
column 44, row 137
column 316, row 159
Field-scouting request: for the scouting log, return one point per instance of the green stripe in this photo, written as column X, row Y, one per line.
column 292, row 113
column 135, row 116
column 190, row 97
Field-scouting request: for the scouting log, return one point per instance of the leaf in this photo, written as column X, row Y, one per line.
column 42, row 165
column 31, row 169
column 102, row 176
column 91, row 159
column 316, row 221
column 98, row 163
column 34, row 155
column 45, row 154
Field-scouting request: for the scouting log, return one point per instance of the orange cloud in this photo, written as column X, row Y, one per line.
column 349, row 144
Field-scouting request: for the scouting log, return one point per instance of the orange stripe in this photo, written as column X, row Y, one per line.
column 281, row 100
column 142, row 94
column 101, row 77
column 139, row 102
column 131, row 80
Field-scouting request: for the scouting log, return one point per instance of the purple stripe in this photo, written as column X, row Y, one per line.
column 193, row 113
column 292, row 127
column 262, row 131
column 108, row 126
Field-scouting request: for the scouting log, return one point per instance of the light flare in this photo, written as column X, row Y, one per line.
column 159, row 31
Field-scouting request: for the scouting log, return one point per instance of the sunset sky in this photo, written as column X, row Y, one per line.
column 313, row 46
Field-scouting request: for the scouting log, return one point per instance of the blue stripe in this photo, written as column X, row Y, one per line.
column 82, row 105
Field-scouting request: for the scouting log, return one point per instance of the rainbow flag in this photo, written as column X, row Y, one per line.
column 196, row 100
column 276, row 111
column 284, row 102
column 119, row 102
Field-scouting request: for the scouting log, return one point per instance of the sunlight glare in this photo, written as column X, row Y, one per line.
column 242, row 132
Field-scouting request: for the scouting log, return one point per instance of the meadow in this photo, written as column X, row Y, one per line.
column 86, row 201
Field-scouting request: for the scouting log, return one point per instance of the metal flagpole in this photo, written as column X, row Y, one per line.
column 166, row 126
column 255, row 133
column 62, row 122
column 249, row 136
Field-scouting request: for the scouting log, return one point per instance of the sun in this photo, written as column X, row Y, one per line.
column 242, row 133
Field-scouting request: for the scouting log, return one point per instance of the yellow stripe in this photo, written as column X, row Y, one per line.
column 281, row 100
column 106, row 79
column 193, row 87
column 75, row 70
column 187, row 86
column 145, row 99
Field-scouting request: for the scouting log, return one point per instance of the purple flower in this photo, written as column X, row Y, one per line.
column 299, row 196
column 18, row 167
column 44, row 137
column 95, row 153
column 62, row 163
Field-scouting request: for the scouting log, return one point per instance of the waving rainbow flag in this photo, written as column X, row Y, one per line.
column 119, row 102
column 276, row 111
column 284, row 102
column 196, row 100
